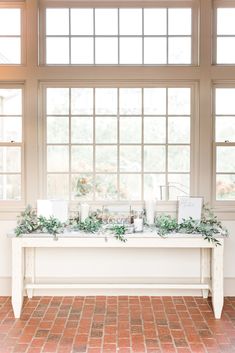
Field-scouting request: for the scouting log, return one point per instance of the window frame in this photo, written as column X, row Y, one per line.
column 193, row 4
column 8, row 205
column 220, row 205
column 194, row 138
column 18, row 5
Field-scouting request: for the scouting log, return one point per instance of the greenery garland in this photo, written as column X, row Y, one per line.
column 208, row 227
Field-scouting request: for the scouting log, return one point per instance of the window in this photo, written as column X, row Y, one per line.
column 104, row 36
column 10, row 143
column 225, row 143
column 117, row 143
column 10, row 35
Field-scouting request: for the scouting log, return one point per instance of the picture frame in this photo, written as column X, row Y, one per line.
column 190, row 207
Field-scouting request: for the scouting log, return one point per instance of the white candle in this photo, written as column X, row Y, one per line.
column 150, row 211
column 84, row 211
column 138, row 224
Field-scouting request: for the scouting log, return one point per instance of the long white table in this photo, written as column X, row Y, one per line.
column 23, row 252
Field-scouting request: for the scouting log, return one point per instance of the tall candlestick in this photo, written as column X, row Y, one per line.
column 84, row 211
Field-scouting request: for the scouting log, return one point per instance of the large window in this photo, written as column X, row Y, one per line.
column 225, row 143
column 125, row 36
column 117, row 143
column 10, row 143
column 10, row 35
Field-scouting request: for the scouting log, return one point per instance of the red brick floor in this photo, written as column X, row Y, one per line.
column 117, row 324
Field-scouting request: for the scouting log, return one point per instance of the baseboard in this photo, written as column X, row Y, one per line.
column 229, row 286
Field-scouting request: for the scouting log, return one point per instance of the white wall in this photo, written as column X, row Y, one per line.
column 116, row 264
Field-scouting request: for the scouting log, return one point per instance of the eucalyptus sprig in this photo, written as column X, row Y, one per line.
column 27, row 222
column 90, row 225
column 166, row 224
column 119, row 230
column 50, row 225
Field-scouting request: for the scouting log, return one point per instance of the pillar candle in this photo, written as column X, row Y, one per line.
column 84, row 211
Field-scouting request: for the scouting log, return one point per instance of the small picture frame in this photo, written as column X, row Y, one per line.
column 190, row 207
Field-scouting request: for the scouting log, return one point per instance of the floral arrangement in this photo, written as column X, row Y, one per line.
column 209, row 226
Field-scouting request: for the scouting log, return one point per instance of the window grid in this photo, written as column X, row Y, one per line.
column 11, row 188
column 119, row 36
column 119, row 173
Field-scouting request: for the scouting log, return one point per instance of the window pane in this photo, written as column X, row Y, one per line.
column 10, row 129
column 179, row 21
column 179, row 50
column 178, row 158
column 225, row 128
column 130, row 187
column 130, row 158
column 57, row 129
column 130, row 129
column 155, row 51
column 130, row 21
column 82, row 51
column 10, row 187
column 57, row 101
column 154, row 101
column 225, row 159
column 131, row 50
column 58, row 186
column 225, row 50
column 106, row 129
column 10, row 22
column 82, row 187
column 106, row 51
column 57, row 158
column 106, row 187
column 57, row 50
column 130, row 101
column 154, row 158
column 179, row 101
column 106, row 101
column 179, row 129
column 82, row 158
column 10, row 159
column 178, row 185
column 82, row 101
column 225, row 21
column 10, row 101
column 154, row 186
column 81, row 21
column 82, row 129
column 225, row 187
column 106, row 158
column 57, row 21
column 225, row 98
column 154, row 129
column 10, row 51
column 155, row 21
column 106, row 21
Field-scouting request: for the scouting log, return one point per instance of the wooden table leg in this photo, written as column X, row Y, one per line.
column 17, row 276
column 205, row 269
column 30, row 268
column 217, row 279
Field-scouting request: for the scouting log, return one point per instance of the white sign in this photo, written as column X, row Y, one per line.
column 190, row 207
column 54, row 208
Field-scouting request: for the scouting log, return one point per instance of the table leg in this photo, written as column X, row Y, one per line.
column 30, row 268
column 205, row 269
column 17, row 276
column 217, row 279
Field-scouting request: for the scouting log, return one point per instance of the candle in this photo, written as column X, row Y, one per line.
column 150, row 211
column 84, row 211
column 138, row 225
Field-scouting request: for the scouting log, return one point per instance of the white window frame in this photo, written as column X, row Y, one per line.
column 194, row 138
column 194, row 4
column 220, row 205
column 18, row 5
column 7, row 205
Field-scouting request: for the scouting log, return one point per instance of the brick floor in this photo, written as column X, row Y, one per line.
column 117, row 324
